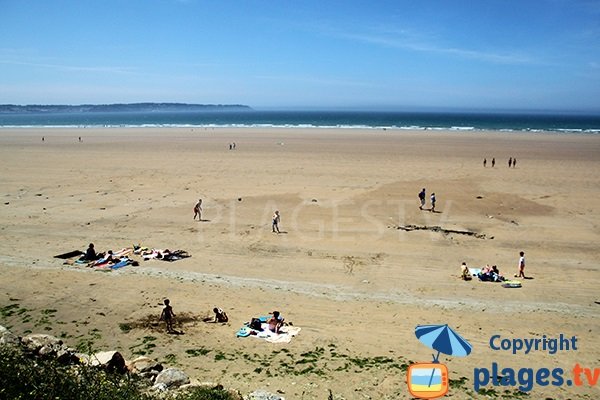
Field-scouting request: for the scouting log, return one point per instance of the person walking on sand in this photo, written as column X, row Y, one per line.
column 168, row 315
column 276, row 221
column 493, row 162
column 422, row 198
column 484, row 162
column 510, row 162
column 198, row 210
column 514, row 162
column 521, row 265
column 432, row 198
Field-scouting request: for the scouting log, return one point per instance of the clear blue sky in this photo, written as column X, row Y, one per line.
column 496, row 54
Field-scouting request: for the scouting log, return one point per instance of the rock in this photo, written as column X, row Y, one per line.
column 41, row 343
column 144, row 364
column 7, row 337
column 172, row 377
column 160, row 387
column 263, row 395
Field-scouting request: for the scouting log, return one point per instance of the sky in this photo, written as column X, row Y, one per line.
column 332, row 54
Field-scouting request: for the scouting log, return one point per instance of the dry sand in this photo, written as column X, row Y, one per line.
column 355, row 284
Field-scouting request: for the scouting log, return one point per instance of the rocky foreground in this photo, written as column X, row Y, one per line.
column 160, row 381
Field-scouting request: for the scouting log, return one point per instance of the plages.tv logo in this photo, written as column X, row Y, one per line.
column 429, row 380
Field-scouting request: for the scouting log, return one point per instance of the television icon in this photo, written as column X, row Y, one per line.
column 427, row 380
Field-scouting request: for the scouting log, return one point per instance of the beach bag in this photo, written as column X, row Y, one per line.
column 255, row 324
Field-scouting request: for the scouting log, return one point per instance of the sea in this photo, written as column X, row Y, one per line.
column 399, row 120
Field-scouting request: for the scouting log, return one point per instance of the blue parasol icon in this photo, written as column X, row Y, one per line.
column 443, row 339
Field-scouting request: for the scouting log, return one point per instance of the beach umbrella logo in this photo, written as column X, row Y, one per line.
column 429, row 380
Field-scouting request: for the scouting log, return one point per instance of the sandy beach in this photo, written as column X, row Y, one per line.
column 341, row 270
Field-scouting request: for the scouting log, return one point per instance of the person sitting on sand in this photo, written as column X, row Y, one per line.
column 220, row 315
column 485, row 274
column 168, row 315
column 90, row 253
column 275, row 322
column 496, row 275
column 465, row 275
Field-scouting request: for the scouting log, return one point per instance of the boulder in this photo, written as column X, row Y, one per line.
column 42, row 344
column 7, row 338
column 263, row 395
column 172, row 377
column 144, row 364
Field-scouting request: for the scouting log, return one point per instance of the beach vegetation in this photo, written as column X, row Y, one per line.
column 27, row 377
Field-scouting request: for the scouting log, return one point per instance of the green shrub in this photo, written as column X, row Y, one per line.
column 26, row 377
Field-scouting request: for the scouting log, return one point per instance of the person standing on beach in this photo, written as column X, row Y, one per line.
column 168, row 315
column 514, row 162
column 198, row 210
column 493, row 162
column 422, row 198
column 510, row 162
column 521, row 265
column 276, row 221
column 432, row 202
column 484, row 162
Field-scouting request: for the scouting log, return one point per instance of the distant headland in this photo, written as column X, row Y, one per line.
column 130, row 107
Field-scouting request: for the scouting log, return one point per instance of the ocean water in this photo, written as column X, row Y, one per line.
column 531, row 122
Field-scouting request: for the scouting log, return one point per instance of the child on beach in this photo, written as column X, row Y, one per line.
column 276, row 220
column 168, row 315
column 465, row 275
column 220, row 315
column 198, row 210
column 521, row 273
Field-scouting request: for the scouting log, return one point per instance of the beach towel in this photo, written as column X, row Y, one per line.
column 285, row 335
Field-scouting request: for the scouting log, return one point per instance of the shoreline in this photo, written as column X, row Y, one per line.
column 331, row 129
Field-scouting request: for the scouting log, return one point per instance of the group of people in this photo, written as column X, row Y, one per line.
column 422, row 196
column 512, row 162
column 274, row 323
column 276, row 219
column 168, row 316
column 492, row 274
column 232, row 146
